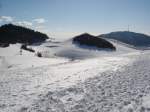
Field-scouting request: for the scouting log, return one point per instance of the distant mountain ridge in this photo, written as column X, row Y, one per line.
column 130, row 38
column 10, row 33
column 92, row 41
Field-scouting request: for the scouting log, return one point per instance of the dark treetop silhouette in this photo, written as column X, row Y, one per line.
column 90, row 40
column 10, row 33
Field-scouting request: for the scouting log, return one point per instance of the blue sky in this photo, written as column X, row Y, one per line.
column 67, row 18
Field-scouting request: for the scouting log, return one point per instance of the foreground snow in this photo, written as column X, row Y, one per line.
column 114, row 82
column 10, row 58
column 19, row 88
column 123, row 90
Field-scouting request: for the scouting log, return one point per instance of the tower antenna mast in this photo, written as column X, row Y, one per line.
column 128, row 28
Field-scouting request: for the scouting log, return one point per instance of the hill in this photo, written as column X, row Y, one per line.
column 92, row 41
column 10, row 33
column 130, row 38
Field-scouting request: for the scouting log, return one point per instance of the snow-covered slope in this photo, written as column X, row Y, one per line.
column 52, row 53
column 123, row 90
column 10, row 58
column 67, row 49
column 131, row 38
column 55, row 83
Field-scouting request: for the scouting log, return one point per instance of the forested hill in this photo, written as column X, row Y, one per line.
column 130, row 38
column 93, row 41
column 10, row 33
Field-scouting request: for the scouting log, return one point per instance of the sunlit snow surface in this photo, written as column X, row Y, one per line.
column 72, row 79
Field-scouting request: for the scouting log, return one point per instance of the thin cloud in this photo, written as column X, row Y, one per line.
column 41, row 28
column 39, row 20
column 24, row 23
column 37, row 24
column 6, row 18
